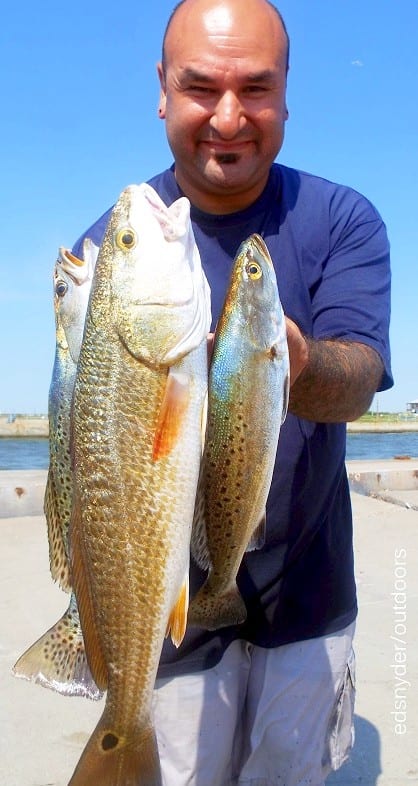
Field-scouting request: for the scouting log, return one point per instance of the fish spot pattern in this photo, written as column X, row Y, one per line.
column 58, row 499
column 109, row 741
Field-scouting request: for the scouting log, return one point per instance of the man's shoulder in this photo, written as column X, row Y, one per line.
column 301, row 177
column 305, row 189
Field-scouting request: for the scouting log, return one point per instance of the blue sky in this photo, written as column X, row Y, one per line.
column 79, row 123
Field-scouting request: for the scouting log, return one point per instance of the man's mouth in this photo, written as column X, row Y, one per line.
column 226, row 158
column 226, row 152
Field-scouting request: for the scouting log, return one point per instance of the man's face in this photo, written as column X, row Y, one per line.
column 223, row 99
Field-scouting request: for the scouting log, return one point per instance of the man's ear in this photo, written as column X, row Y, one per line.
column 163, row 97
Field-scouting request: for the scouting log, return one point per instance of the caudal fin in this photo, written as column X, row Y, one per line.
column 212, row 610
column 109, row 759
column 58, row 659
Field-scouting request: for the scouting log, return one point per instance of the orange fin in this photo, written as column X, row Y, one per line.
column 109, row 758
column 79, row 570
column 177, row 621
column 173, row 408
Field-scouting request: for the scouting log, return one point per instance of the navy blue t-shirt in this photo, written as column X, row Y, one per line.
column 331, row 255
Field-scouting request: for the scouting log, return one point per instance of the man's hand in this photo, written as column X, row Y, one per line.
column 298, row 350
column 332, row 381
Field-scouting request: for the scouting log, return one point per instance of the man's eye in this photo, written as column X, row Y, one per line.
column 201, row 89
column 255, row 89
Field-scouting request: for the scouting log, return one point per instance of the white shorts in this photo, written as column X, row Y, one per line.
column 260, row 717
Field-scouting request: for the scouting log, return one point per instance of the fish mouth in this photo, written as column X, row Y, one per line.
column 75, row 268
column 260, row 246
column 72, row 258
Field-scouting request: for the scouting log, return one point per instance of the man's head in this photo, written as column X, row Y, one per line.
column 176, row 8
column 223, row 86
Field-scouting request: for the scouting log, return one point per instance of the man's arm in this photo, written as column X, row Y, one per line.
column 332, row 381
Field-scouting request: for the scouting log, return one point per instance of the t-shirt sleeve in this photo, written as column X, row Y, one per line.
column 352, row 300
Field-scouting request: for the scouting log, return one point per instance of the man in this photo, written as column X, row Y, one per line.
column 271, row 701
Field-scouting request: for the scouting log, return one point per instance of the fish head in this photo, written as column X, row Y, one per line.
column 254, row 295
column 72, row 280
column 252, row 327
column 157, row 294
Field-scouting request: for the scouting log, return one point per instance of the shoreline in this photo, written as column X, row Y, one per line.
column 393, row 480
column 24, row 426
column 385, row 427
column 37, row 426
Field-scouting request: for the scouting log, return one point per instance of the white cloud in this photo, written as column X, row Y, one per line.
column 358, row 63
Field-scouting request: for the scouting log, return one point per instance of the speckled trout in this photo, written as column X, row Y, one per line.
column 248, row 397
column 72, row 282
column 139, row 413
column 57, row 660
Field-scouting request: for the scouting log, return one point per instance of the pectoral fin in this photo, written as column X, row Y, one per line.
column 286, row 393
column 173, row 408
column 204, row 421
column 258, row 538
column 177, row 621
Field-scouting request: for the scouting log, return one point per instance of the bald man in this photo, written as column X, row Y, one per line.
column 270, row 701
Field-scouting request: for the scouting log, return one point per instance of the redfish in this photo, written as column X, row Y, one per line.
column 138, row 422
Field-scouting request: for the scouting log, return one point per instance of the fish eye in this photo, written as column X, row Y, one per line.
column 126, row 239
column 253, row 270
column 61, row 288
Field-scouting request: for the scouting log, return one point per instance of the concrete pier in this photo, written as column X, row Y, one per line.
column 42, row 734
column 22, row 492
column 24, row 426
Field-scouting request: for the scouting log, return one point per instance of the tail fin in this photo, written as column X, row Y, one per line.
column 111, row 760
column 211, row 610
column 58, row 659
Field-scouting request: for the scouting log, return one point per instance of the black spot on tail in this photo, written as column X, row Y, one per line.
column 109, row 741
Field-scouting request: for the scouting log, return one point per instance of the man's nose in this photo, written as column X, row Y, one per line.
column 228, row 117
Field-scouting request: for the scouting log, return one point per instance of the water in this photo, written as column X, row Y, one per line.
column 22, row 453
column 382, row 446
column 32, row 453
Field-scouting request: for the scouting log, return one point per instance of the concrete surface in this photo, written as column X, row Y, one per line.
column 392, row 480
column 24, row 426
column 42, row 734
column 22, row 492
